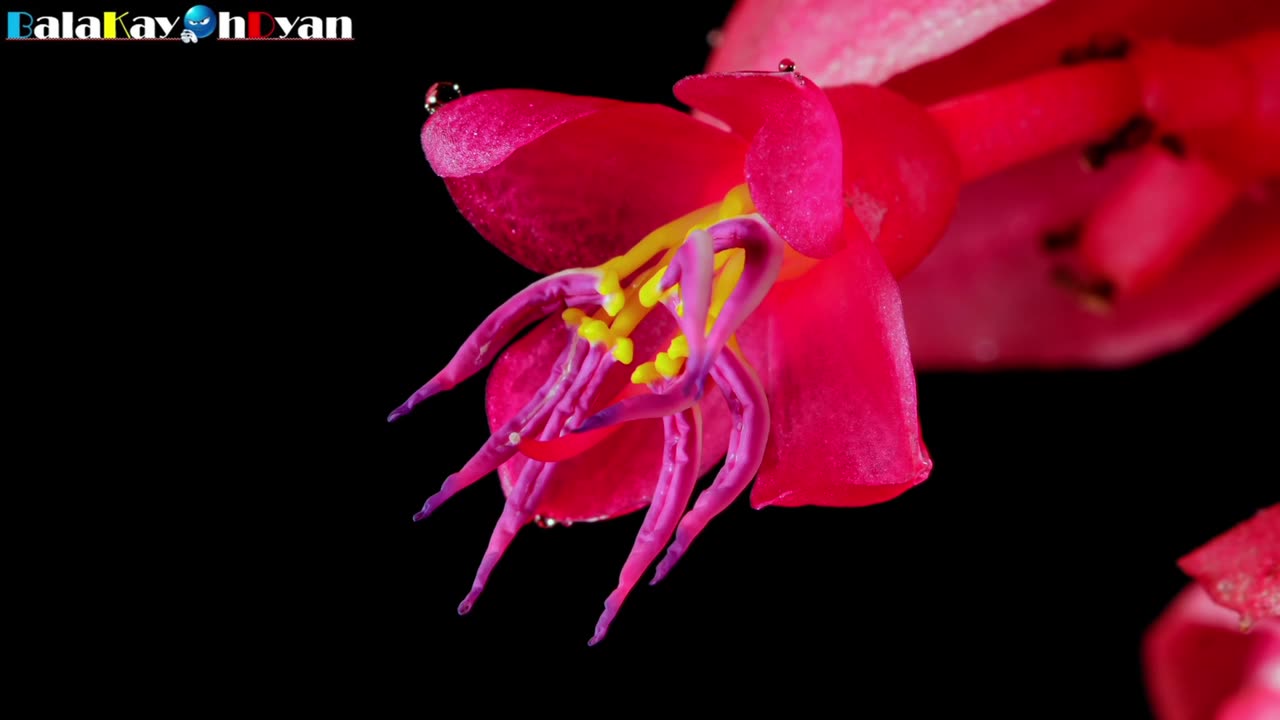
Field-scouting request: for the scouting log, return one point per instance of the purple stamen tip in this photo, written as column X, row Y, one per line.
column 465, row 606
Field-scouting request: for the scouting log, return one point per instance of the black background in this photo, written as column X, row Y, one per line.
column 230, row 261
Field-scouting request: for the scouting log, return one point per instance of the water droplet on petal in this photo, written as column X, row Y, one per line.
column 786, row 65
column 715, row 37
column 441, row 93
column 544, row 522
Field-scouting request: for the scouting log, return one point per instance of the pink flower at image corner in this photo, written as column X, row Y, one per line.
column 1214, row 654
column 1048, row 263
column 859, row 182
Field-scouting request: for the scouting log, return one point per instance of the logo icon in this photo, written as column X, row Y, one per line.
column 199, row 22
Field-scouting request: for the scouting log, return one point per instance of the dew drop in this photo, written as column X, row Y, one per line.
column 786, row 65
column 544, row 522
column 441, row 93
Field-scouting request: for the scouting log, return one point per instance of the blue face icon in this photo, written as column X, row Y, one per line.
column 201, row 21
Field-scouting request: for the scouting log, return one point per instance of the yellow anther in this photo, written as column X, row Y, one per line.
column 611, row 291
column 608, row 283
column 613, row 303
column 668, row 366
column 624, row 350
column 595, row 331
column 650, row 295
column 679, row 347
column 737, row 202
column 645, row 374
column 573, row 317
column 680, row 308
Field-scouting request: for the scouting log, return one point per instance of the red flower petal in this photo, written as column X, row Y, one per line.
column 557, row 181
column 1241, row 568
column 794, row 164
column 1036, row 41
column 1200, row 666
column 902, row 179
column 984, row 298
column 832, row 352
column 863, row 41
column 618, row 475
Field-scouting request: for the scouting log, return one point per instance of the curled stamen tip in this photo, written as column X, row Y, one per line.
column 399, row 413
column 467, row 603
column 600, row 633
column 665, row 566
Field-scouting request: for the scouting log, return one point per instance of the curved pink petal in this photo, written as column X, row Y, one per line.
column 986, row 297
column 794, row 165
column 618, row 475
column 1199, row 665
column 832, row 352
column 558, row 181
column 901, row 192
column 855, row 41
column 1240, row 569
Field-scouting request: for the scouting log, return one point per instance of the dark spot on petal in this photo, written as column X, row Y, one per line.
column 1059, row 240
column 1095, row 293
column 1103, row 46
column 1174, row 145
column 1135, row 133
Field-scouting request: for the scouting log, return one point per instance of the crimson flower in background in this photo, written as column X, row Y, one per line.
column 1215, row 652
column 1049, row 261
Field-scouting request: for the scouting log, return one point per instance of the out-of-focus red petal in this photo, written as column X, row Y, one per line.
column 863, row 41
column 557, row 181
column 985, row 297
column 794, row 166
column 1240, row 568
column 832, row 352
column 618, row 475
column 1035, row 41
column 1199, row 665
column 901, row 177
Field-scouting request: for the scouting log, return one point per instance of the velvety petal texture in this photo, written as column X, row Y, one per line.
column 793, row 167
column 1200, row 665
column 618, row 475
column 1240, row 569
column 832, row 352
column 855, row 41
column 558, row 181
column 986, row 297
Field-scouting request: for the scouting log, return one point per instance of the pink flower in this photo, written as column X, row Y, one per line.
column 647, row 208
column 1049, row 262
column 1215, row 652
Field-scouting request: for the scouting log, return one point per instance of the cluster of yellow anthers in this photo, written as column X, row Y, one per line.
column 622, row 309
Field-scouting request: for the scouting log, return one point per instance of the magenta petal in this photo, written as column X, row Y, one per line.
column 618, row 475
column 1240, row 568
column 985, row 297
column 1199, row 665
column 903, row 176
column 794, row 165
column 864, row 41
column 558, row 181
column 836, row 333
